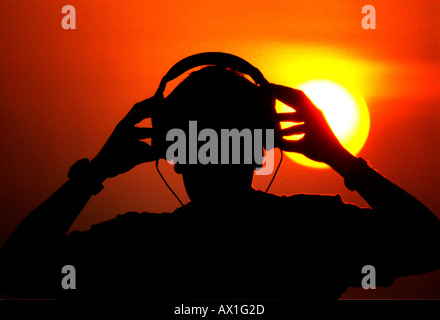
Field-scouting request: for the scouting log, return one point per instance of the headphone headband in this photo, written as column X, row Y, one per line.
column 211, row 58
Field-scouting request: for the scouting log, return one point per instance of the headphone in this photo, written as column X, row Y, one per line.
column 219, row 59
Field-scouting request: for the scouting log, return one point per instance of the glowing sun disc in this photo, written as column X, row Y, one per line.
column 346, row 113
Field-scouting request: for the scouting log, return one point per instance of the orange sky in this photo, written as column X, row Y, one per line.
column 63, row 91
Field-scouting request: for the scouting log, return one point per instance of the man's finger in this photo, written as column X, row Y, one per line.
column 144, row 152
column 142, row 133
column 294, row 98
column 292, row 145
column 140, row 111
column 289, row 117
column 296, row 129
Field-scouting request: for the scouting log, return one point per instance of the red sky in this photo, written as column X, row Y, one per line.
column 63, row 91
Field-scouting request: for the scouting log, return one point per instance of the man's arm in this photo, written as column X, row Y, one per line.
column 380, row 193
column 40, row 234
column 415, row 229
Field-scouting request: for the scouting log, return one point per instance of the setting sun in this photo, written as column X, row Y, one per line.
column 345, row 111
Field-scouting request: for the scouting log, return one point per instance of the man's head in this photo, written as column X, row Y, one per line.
column 216, row 98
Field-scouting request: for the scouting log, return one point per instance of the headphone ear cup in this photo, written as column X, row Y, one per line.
column 270, row 115
column 158, row 121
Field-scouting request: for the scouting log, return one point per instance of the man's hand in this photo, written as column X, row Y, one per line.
column 319, row 142
column 124, row 150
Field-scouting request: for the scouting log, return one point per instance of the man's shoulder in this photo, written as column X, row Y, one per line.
column 303, row 199
column 316, row 207
column 133, row 217
column 123, row 222
column 262, row 202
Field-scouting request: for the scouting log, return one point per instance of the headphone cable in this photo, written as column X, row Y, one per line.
column 163, row 179
column 276, row 171
column 181, row 203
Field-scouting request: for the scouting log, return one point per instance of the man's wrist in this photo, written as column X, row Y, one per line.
column 356, row 174
column 354, row 170
column 86, row 174
column 342, row 161
column 98, row 170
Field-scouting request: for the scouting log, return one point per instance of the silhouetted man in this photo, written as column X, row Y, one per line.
column 230, row 241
